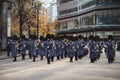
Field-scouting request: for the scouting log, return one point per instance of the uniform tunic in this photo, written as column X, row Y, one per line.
column 79, row 48
column 71, row 51
column 91, row 46
column 49, row 49
column 32, row 49
column 41, row 48
column 58, row 48
column 23, row 47
column 110, row 51
column 13, row 49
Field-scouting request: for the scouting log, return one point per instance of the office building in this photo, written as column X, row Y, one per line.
column 89, row 17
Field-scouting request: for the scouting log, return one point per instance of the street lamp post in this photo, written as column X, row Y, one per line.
column 37, row 22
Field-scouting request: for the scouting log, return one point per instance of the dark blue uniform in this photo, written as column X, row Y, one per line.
column 23, row 49
column 62, row 49
column 58, row 49
column 41, row 49
column 49, row 50
column 13, row 50
column 79, row 49
column 32, row 49
column 71, row 51
column 92, row 54
column 110, row 52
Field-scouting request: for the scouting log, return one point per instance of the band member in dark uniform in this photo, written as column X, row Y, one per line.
column 14, row 48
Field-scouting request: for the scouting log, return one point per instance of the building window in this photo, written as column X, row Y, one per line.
column 87, row 20
column 65, row 1
column 107, row 2
column 63, row 25
column 88, row 4
column 108, row 17
column 59, row 26
column 68, row 11
column 76, row 22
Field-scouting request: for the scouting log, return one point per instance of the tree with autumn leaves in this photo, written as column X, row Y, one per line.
column 46, row 27
column 21, row 14
column 26, row 18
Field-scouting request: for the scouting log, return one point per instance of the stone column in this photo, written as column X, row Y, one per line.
column 3, row 24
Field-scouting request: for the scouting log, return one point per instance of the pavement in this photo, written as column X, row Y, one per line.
column 3, row 55
column 60, row 69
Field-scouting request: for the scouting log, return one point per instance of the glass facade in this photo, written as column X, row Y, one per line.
column 58, row 27
column 87, row 20
column 92, row 16
column 88, row 4
column 108, row 17
column 72, row 10
column 107, row 2
column 68, row 24
column 65, row 1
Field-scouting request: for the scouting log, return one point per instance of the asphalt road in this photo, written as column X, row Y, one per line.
column 60, row 70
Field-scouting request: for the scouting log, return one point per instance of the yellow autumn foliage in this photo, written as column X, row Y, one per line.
column 45, row 27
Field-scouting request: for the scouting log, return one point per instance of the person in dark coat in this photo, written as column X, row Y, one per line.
column 65, row 44
column 32, row 49
column 58, row 49
column 23, row 49
column 29, row 41
column 40, row 49
column 91, row 46
column 13, row 46
column 110, row 52
column 49, row 50
column 71, row 49
column 80, row 49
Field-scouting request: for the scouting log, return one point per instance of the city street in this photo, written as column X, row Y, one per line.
column 60, row 70
column 53, row 27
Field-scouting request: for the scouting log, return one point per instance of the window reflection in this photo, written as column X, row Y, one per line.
column 108, row 17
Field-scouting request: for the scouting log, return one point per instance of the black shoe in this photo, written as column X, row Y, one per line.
column 23, row 59
column 71, row 61
column 41, row 58
column 14, row 59
column 76, row 59
column 33, row 60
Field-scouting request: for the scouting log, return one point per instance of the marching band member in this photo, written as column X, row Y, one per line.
column 92, row 55
column 14, row 48
column 71, row 51
column 23, row 44
column 41, row 48
column 110, row 52
column 49, row 49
